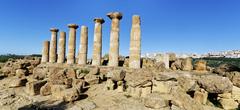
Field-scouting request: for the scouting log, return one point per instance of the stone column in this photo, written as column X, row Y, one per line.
column 164, row 58
column 187, row 64
column 45, row 52
column 135, row 43
column 62, row 48
column 72, row 43
column 97, row 44
column 114, row 38
column 53, row 46
column 82, row 56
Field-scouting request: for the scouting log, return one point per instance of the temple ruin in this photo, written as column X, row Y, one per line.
column 50, row 54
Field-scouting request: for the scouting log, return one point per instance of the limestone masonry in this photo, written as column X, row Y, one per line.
column 66, row 80
column 53, row 46
column 82, row 58
column 50, row 55
column 97, row 43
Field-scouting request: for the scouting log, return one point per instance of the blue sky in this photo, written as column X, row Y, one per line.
column 182, row 26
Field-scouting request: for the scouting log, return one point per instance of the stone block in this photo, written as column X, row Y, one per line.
column 116, row 75
column 228, row 104
column 46, row 89
column 78, row 84
column 120, row 86
column 94, row 71
column 155, row 101
column 70, row 95
column 134, row 92
column 21, row 73
column 236, row 93
column 187, row 64
column 40, row 73
column 92, row 79
column 109, row 85
column 33, row 88
column 17, row 82
column 71, row 73
column 200, row 65
column 161, row 87
column 61, row 92
column 201, row 96
column 57, row 91
column 146, row 91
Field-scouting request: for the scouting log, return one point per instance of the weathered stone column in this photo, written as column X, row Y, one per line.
column 135, row 43
column 72, row 43
column 114, row 38
column 62, row 48
column 53, row 46
column 97, row 44
column 82, row 56
column 45, row 52
column 187, row 64
column 164, row 58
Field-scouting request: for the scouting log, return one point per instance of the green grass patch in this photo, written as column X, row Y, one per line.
column 215, row 62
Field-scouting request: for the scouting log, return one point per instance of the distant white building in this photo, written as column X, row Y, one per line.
column 226, row 54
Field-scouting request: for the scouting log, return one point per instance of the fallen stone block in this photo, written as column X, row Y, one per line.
column 187, row 64
column 161, row 87
column 45, row 90
column 201, row 96
column 78, row 84
column 155, row 101
column 120, row 86
column 40, row 73
column 56, row 91
column 228, row 104
column 58, row 78
column 134, row 91
column 17, row 82
column 214, row 84
column 92, row 79
column 146, row 91
column 70, row 95
column 71, row 73
column 21, row 73
column 94, row 71
column 236, row 93
column 109, row 85
column 116, row 75
column 61, row 92
column 33, row 88
column 200, row 65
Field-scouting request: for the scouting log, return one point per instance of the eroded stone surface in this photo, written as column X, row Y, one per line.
column 214, row 84
column 97, row 44
column 114, row 38
column 71, row 44
column 82, row 55
column 135, row 43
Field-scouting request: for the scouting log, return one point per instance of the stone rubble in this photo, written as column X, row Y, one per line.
column 114, row 82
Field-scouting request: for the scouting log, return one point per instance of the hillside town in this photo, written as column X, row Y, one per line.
column 224, row 54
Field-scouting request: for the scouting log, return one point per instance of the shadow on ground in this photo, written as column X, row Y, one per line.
column 50, row 105
column 45, row 106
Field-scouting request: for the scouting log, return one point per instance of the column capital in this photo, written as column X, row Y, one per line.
column 115, row 15
column 84, row 27
column 75, row 26
column 46, row 42
column 62, row 32
column 99, row 20
column 136, row 19
column 54, row 30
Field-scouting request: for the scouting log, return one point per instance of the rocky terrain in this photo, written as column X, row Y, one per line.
column 27, row 84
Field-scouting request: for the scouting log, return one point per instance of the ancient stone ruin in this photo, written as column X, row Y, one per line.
column 51, row 55
column 69, row 81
